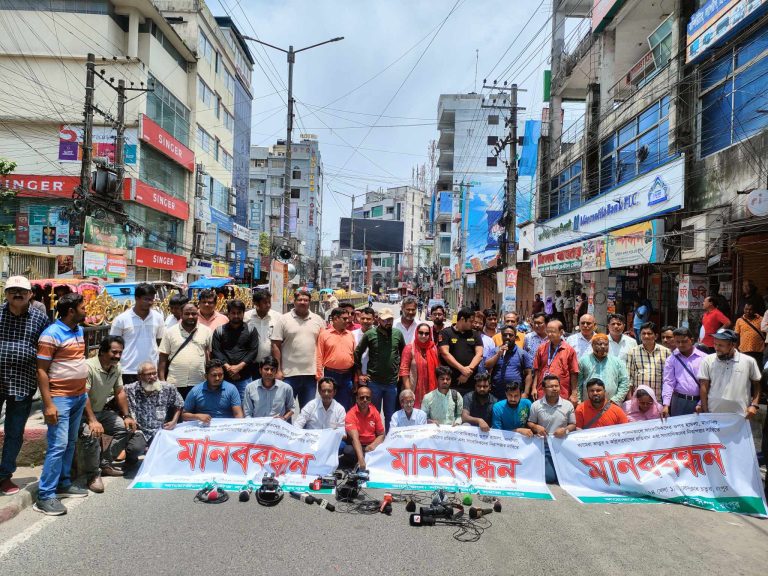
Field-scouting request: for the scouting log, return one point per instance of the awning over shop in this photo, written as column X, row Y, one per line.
column 204, row 283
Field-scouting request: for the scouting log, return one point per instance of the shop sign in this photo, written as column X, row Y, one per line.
column 240, row 232
column 237, row 268
column 220, row 269
column 645, row 197
column 560, row 261
column 103, row 265
column 155, row 136
column 146, row 195
column 593, row 255
column 104, row 143
column 34, row 186
column 757, row 203
column 162, row 260
column 635, row 245
column 254, row 237
column 471, row 280
column 104, row 234
column 716, row 20
column 200, row 267
column 221, row 220
column 691, row 292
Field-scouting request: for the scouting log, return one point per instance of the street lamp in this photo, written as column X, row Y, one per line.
column 291, row 55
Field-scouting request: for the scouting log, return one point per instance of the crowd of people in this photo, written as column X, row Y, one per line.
column 361, row 370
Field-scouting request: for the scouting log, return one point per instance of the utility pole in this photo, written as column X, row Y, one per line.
column 351, row 240
column 120, row 140
column 291, row 56
column 81, row 193
column 511, row 140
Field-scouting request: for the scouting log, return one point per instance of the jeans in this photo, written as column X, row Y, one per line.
column 305, row 387
column 241, row 385
column 62, row 438
column 90, row 448
column 343, row 385
column 387, row 393
column 16, row 415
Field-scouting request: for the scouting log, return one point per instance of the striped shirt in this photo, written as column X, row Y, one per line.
column 646, row 368
column 64, row 347
column 18, row 348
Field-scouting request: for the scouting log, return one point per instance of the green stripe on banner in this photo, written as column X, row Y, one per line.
column 226, row 485
column 737, row 504
column 432, row 487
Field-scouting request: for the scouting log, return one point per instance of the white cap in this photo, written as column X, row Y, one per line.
column 18, row 282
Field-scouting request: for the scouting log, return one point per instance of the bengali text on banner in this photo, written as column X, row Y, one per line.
column 233, row 451
column 706, row 460
column 460, row 459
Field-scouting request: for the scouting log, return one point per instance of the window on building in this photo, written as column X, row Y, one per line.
column 444, row 227
column 565, row 190
column 377, row 211
column 276, row 182
column 734, row 102
column 219, row 195
column 278, row 163
column 162, row 232
column 168, row 111
column 445, row 244
column 229, row 81
column 296, row 193
column 216, row 148
column 156, row 170
column 204, row 140
column 204, row 93
column 637, row 147
column 205, row 48
column 229, row 120
column 227, row 160
column 218, row 106
column 366, row 214
column 491, row 161
column 493, row 119
column 492, row 140
column 153, row 29
column 390, row 209
column 660, row 42
column 218, row 62
column 259, row 163
column 296, row 173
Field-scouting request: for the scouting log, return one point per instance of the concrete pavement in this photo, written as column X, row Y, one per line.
column 126, row 532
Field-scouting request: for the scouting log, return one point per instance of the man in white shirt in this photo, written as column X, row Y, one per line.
column 367, row 318
column 323, row 412
column 408, row 415
column 184, row 350
column 407, row 322
column 175, row 304
column 582, row 340
column 141, row 328
column 262, row 319
column 619, row 344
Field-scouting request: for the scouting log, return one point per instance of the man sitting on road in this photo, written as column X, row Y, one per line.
column 551, row 415
column 104, row 380
column 268, row 396
column 443, row 405
column 477, row 409
column 597, row 411
column 323, row 412
column 155, row 405
column 213, row 398
column 408, row 415
column 364, row 429
column 512, row 413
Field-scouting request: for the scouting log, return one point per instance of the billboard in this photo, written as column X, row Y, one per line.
column 372, row 235
column 104, row 137
column 483, row 223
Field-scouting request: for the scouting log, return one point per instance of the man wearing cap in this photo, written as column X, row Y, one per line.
column 729, row 380
column 609, row 369
column 20, row 328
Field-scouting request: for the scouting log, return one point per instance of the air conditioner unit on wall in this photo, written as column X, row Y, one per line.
column 200, row 227
column 231, row 247
column 700, row 236
column 232, row 210
column 199, row 243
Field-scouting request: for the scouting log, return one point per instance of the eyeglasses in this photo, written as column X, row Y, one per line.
column 16, row 291
column 364, row 398
column 423, row 333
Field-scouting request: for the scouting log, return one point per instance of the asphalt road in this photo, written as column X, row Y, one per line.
column 130, row 532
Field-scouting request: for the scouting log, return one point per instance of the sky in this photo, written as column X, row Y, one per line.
column 372, row 98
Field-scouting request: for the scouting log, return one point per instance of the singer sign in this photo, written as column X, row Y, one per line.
column 232, row 451
column 463, row 459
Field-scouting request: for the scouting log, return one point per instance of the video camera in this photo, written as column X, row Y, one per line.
column 269, row 493
column 350, row 486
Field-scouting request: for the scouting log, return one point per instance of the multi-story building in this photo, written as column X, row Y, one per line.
column 266, row 199
column 221, row 123
column 42, row 130
column 469, row 197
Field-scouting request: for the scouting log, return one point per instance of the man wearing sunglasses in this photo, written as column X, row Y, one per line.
column 365, row 430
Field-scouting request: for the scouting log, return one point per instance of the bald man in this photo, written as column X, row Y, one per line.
column 582, row 341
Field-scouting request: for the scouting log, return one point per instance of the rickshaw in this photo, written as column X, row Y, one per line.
column 49, row 290
column 225, row 290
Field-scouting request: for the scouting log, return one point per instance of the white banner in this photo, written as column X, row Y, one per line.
column 707, row 461
column 231, row 451
column 460, row 459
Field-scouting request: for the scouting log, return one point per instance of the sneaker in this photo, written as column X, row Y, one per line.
column 96, row 485
column 110, row 471
column 50, row 507
column 8, row 488
column 71, row 492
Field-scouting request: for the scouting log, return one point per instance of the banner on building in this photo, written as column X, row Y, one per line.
column 232, row 451
column 104, row 143
column 707, row 461
column 691, row 292
column 530, row 154
column 104, row 234
column 461, row 459
column 559, row 261
column 635, row 245
column 482, row 222
column 593, row 255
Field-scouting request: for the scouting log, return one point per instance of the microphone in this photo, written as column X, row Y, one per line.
column 411, row 506
column 323, row 503
column 304, row 497
column 467, row 501
column 386, row 502
column 475, row 513
column 497, row 505
column 245, row 492
column 419, row 520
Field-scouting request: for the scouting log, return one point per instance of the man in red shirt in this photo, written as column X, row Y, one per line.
column 364, row 429
column 711, row 322
column 559, row 358
column 597, row 411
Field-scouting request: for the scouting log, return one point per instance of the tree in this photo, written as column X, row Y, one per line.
column 6, row 193
column 265, row 247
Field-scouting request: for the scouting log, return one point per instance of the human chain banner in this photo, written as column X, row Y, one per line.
column 232, row 451
column 707, row 461
column 460, row 459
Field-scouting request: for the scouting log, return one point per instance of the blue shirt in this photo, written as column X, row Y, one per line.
column 507, row 418
column 641, row 317
column 217, row 404
column 509, row 368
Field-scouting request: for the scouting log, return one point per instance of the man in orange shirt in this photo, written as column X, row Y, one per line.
column 364, row 429
column 751, row 337
column 597, row 411
column 335, row 355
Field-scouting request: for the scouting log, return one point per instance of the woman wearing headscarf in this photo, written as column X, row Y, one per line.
column 643, row 405
column 418, row 363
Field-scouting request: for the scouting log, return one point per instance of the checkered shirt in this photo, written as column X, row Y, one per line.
column 18, row 350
